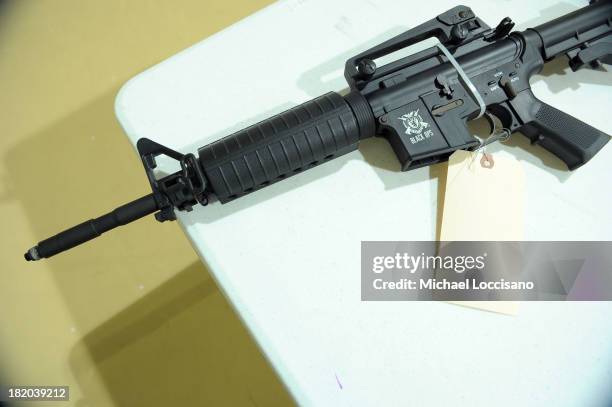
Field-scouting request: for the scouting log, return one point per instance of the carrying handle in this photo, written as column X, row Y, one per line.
column 453, row 27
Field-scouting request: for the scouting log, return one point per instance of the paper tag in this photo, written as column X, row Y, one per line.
column 484, row 200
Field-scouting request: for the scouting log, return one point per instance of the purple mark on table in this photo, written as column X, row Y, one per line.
column 338, row 381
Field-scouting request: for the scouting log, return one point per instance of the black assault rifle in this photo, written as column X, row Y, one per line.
column 420, row 103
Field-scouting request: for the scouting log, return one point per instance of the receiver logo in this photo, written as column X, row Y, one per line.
column 413, row 122
column 416, row 126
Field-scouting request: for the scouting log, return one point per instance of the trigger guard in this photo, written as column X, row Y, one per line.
column 503, row 114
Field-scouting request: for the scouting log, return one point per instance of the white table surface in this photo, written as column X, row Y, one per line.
column 288, row 256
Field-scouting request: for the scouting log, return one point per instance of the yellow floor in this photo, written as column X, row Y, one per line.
column 132, row 318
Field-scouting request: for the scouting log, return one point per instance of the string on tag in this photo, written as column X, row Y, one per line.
column 486, row 161
column 497, row 134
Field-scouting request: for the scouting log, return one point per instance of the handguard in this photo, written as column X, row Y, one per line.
column 284, row 145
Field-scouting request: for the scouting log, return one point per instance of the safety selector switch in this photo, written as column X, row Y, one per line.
column 506, row 84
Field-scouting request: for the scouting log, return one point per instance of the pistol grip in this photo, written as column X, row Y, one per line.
column 570, row 139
